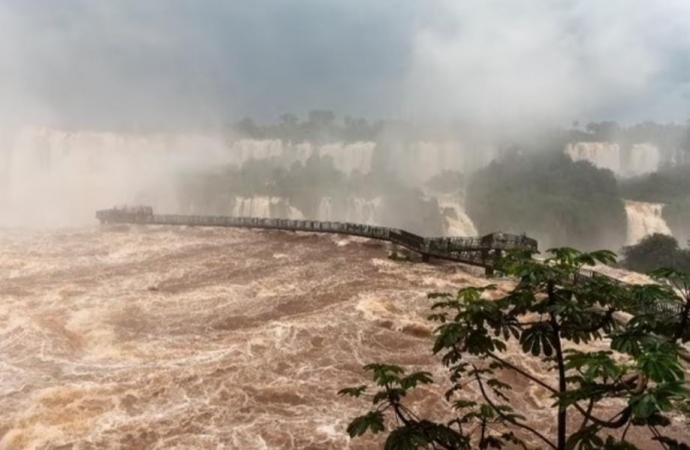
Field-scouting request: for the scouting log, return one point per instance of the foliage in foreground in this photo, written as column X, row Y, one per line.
column 637, row 361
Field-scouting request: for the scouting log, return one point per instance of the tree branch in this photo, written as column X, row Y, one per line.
column 585, row 419
column 522, row 372
column 562, row 385
column 683, row 321
column 509, row 420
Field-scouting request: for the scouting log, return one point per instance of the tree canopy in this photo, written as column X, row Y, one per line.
column 553, row 198
column 654, row 252
column 576, row 328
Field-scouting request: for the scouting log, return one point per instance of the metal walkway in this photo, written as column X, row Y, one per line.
column 477, row 251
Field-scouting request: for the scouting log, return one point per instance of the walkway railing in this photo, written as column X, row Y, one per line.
column 476, row 251
column 585, row 275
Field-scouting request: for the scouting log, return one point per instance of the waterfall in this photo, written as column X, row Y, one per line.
column 347, row 158
column 636, row 160
column 604, row 155
column 458, row 223
column 643, row 158
column 265, row 207
column 351, row 209
column 325, row 212
column 59, row 178
column 360, row 210
column 644, row 219
column 351, row 157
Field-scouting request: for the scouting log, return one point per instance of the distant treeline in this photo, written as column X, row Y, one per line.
column 325, row 126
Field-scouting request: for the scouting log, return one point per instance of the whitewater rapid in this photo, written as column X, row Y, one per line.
column 153, row 338
column 644, row 219
column 130, row 337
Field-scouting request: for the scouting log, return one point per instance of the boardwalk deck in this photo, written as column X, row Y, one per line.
column 476, row 251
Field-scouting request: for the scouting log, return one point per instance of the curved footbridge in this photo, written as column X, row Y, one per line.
column 476, row 251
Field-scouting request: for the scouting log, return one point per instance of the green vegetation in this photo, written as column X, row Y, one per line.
column 540, row 192
column 668, row 185
column 677, row 216
column 655, row 251
column 304, row 186
column 319, row 127
column 557, row 201
column 633, row 366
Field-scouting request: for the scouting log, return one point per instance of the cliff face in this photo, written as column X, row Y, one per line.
column 130, row 337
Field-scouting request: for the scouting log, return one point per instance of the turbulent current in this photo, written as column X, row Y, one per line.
column 186, row 338
column 644, row 219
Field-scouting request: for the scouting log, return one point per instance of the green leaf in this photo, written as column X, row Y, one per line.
column 643, row 405
column 384, row 374
column 660, row 364
column 353, row 391
column 372, row 421
column 461, row 404
column 586, row 439
column 537, row 339
column 496, row 384
column 412, row 380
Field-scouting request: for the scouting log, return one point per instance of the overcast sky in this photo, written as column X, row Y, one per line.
column 114, row 63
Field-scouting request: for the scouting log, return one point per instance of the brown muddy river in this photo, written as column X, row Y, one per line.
column 182, row 338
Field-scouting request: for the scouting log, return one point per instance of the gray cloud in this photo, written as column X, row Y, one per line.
column 100, row 63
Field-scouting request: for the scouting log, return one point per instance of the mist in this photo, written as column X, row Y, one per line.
column 171, row 64
column 109, row 103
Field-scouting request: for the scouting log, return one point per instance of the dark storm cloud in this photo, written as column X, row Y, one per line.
column 107, row 63
column 98, row 60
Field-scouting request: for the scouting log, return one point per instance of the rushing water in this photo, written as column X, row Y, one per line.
column 639, row 159
column 644, row 219
column 188, row 338
column 354, row 209
column 458, row 223
column 265, row 207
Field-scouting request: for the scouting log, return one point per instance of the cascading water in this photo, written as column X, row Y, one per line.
column 421, row 161
column 265, row 207
column 59, row 178
column 352, row 209
column 644, row 219
column 638, row 159
column 642, row 159
column 325, row 212
column 346, row 158
column 457, row 222
column 604, row 155
column 53, row 177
